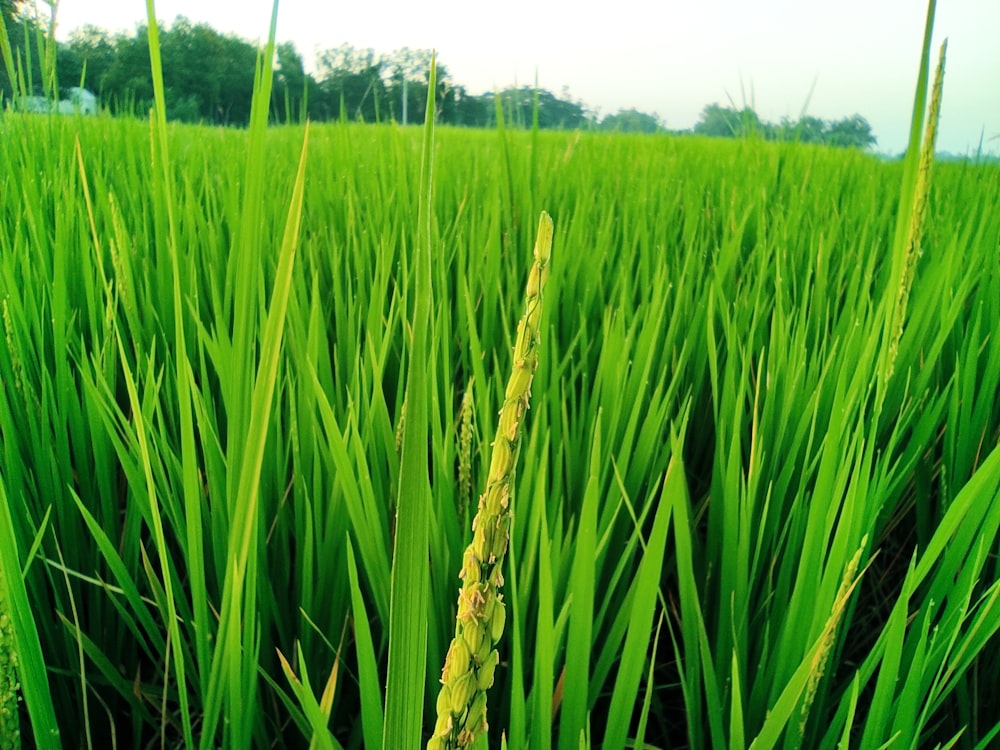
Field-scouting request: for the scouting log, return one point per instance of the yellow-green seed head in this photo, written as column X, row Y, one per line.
column 477, row 714
column 466, row 605
column 462, row 690
column 473, row 636
column 443, row 704
column 484, row 651
column 470, row 666
column 480, row 546
column 489, row 602
column 487, row 671
column 465, row 438
column 472, row 571
column 497, row 621
column 456, row 662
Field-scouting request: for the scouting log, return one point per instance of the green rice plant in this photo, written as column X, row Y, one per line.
column 472, row 656
column 208, row 514
column 465, row 438
column 906, row 250
column 409, row 588
column 22, row 666
column 857, row 490
column 624, row 357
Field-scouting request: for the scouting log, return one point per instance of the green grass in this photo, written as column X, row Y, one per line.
column 758, row 497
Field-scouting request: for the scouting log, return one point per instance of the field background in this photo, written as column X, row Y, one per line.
column 759, row 491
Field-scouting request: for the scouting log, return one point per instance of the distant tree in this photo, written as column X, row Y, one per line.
column 86, row 58
column 554, row 112
column 471, row 110
column 810, row 129
column 517, row 105
column 207, row 76
column 127, row 84
column 408, row 64
column 405, row 76
column 632, row 121
column 8, row 19
column 11, row 9
column 351, row 85
column 785, row 130
column 719, row 122
column 295, row 94
column 358, row 84
column 851, row 132
column 348, row 59
column 26, row 41
column 235, row 70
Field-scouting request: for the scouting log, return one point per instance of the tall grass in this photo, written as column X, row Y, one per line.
column 736, row 524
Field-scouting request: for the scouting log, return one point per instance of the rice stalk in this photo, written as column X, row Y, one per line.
column 472, row 658
column 15, row 358
column 400, row 426
column 465, row 436
column 914, row 232
column 822, row 657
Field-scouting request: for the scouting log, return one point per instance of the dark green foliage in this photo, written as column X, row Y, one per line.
column 722, row 122
column 88, row 57
column 740, row 276
column 10, row 9
column 853, row 131
column 23, row 33
column 727, row 122
column 632, row 121
column 553, row 112
column 295, row 94
column 209, row 78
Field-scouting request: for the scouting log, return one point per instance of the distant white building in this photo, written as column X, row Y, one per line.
column 80, row 101
column 36, row 104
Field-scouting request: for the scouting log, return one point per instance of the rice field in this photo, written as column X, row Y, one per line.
column 249, row 394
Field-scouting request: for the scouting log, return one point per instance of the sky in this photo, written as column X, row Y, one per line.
column 830, row 58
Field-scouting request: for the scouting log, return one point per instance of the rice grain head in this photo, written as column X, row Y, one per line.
column 465, row 437
column 822, row 656
column 472, row 658
column 918, row 215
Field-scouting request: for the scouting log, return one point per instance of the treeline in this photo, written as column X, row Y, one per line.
column 729, row 122
column 209, row 77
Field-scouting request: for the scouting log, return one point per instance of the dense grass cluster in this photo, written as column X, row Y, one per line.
column 758, row 499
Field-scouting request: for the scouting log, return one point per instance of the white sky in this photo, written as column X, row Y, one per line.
column 667, row 57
